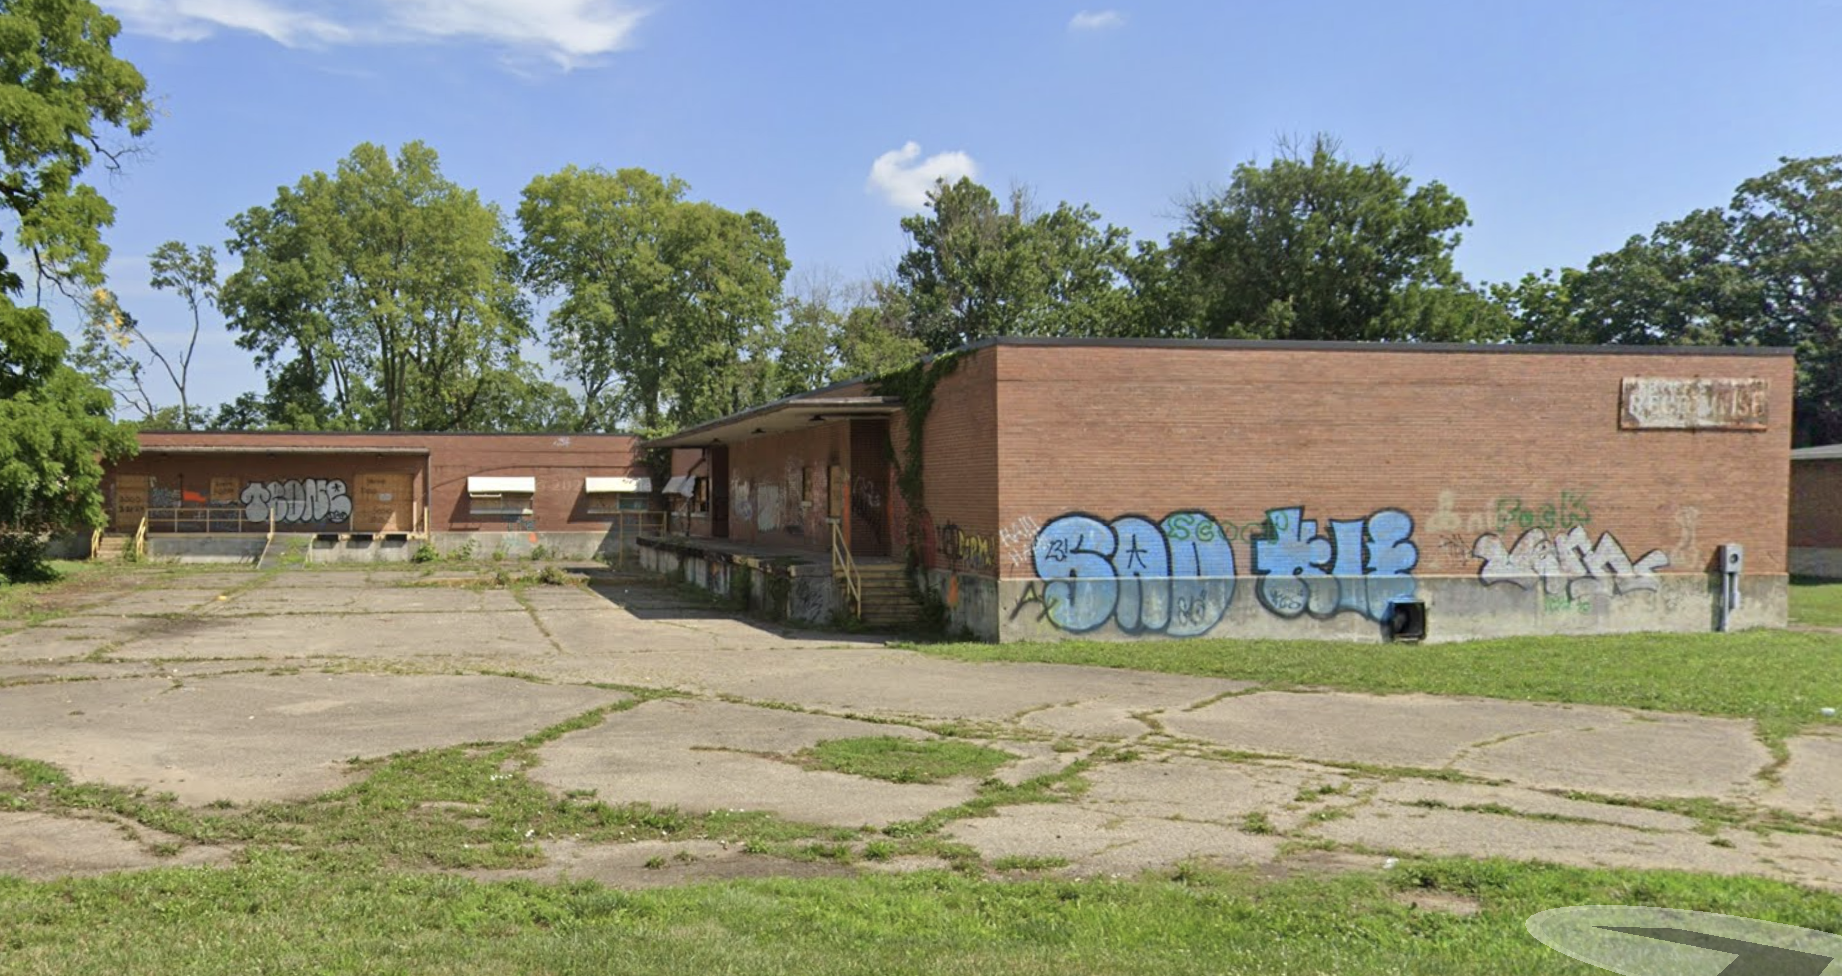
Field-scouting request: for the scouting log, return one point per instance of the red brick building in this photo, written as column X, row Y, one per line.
column 1118, row 488
column 1816, row 511
column 373, row 492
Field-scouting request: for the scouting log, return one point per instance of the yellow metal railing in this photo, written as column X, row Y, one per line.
column 95, row 543
column 140, row 539
column 842, row 565
column 201, row 520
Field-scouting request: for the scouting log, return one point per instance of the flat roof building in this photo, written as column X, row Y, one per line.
column 1125, row 489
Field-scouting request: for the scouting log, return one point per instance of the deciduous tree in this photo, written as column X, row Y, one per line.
column 976, row 269
column 66, row 102
column 380, row 295
column 659, row 293
column 1313, row 246
column 1764, row 270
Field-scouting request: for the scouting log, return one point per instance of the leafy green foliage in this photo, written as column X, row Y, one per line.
column 1766, row 270
column 63, row 96
column 1313, row 246
column 975, row 270
column 659, row 293
column 385, row 283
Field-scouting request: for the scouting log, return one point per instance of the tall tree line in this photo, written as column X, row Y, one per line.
column 384, row 296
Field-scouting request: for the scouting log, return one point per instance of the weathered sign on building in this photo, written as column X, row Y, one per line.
column 1666, row 403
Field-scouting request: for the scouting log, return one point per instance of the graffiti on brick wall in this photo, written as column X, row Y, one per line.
column 1171, row 577
column 1569, row 564
column 1686, row 549
column 962, row 549
column 1360, row 566
column 1176, row 576
column 1017, row 541
column 297, row 500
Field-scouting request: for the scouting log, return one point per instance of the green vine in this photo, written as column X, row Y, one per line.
column 914, row 386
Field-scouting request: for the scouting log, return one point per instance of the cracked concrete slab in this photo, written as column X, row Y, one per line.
column 1199, row 789
column 42, row 847
column 507, row 637
column 1411, row 792
column 1095, row 843
column 257, row 737
column 1811, row 783
column 1632, row 754
column 704, row 756
column 229, row 699
column 1390, row 827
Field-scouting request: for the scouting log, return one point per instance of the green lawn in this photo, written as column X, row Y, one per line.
column 1779, row 678
column 274, row 915
column 1816, row 602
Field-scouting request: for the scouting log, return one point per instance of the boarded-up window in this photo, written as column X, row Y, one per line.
column 501, row 496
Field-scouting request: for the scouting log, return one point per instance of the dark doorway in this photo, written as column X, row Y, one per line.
column 870, row 488
column 719, row 491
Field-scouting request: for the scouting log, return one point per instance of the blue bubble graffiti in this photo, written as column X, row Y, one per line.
column 1363, row 565
column 1177, row 576
column 1174, row 577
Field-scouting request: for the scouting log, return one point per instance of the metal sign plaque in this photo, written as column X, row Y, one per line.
column 1664, row 403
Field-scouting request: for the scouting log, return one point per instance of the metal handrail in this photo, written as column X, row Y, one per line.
column 140, row 539
column 95, row 543
column 205, row 520
column 843, row 565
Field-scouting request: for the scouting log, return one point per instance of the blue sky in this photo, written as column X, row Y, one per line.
column 1566, row 126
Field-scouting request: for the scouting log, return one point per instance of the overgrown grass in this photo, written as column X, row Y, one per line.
column 1816, row 602
column 901, row 760
column 1778, row 678
column 31, row 603
column 278, row 914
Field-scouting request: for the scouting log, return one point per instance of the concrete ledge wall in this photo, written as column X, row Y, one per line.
column 1457, row 608
column 206, row 548
column 1813, row 561
column 802, row 593
column 971, row 601
column 348, row 550
column 561, row 545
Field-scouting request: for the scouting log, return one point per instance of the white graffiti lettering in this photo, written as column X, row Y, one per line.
column 298, row 500
column 1569, row 563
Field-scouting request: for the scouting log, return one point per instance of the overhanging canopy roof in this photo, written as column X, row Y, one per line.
column 779, row 417
column 478, row 485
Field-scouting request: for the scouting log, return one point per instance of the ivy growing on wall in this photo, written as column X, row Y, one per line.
column 914, row 387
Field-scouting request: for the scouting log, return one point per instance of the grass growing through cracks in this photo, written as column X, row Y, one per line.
column 900, row 760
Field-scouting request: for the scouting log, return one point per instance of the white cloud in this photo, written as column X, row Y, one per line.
column 571, row 33
column 903, row 177
column 195, row 20
column 1097, row 20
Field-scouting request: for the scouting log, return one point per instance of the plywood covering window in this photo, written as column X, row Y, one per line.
column 501, row 496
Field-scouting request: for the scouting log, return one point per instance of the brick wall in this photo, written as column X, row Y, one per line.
column 1816, row 504
column 1465, row 444
column 778, row 487
column 188, row 462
